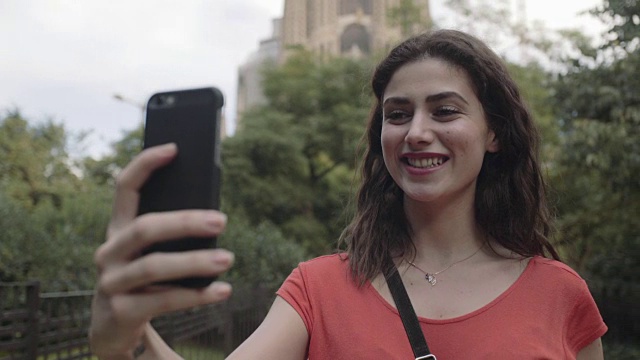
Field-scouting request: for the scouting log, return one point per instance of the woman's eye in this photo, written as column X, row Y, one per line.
column 396, row 116
column 444, row 111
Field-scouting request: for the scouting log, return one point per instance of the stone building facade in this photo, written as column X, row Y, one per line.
column 345, row 27
column 249, row 91
column 353, row 28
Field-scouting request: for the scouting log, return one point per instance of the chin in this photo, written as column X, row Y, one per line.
column 439, row 198
column 421, row 197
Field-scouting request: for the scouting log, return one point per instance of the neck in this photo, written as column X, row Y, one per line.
column 443, row 234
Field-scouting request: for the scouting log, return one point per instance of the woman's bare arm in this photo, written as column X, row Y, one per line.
column 281, row 336
column 592, row 351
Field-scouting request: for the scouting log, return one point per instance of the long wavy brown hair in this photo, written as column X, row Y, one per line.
column 510, row 201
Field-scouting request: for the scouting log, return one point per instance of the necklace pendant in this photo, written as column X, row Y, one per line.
column 431, row 279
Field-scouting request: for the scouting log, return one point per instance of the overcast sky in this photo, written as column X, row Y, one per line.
column 65, row 59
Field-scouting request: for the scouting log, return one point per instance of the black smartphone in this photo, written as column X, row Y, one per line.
column 190, row 119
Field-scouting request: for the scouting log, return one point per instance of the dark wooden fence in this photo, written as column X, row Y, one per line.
column 35, row 325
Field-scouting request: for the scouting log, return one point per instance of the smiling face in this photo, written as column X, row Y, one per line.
column 434, row 132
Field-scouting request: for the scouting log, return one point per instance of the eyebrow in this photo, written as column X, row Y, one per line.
column 445, row 95
column 431, row 98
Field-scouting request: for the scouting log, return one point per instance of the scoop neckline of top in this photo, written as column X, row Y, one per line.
column 471, row 314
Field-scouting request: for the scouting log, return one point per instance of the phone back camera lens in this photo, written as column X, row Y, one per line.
column 164, row 101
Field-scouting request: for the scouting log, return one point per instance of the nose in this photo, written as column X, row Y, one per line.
column 420, row 130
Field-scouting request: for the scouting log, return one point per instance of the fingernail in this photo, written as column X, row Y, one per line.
column 222, row 288
column 223, row 257
column 169, row 148
column 216, row 221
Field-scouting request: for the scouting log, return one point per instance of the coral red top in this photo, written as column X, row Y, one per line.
column 548, row 313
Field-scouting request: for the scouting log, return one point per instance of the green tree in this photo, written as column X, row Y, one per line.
column 19, row 253
column 408, row 16
column 598, row 106
column 624, row 17
column 73, row 232
column 292, row 161
column 264, row 257
column 34, row 164
column 534, row 83
column 52, row 216
column 599, row 109
column 104, row 169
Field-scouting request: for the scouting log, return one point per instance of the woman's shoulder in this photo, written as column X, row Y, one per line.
column 547, row 265
column 317, row 274
column 555, row 274
column 326, row 263
column 566, row 294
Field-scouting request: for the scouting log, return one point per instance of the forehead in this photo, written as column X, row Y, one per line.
column 428, row 77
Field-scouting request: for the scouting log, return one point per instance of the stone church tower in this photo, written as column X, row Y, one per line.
column 330, row 28
column 345, row 27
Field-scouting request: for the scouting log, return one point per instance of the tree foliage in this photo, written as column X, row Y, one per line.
column 624, row 19
column 595, row 176
column 292, row 160
column 264, row 257
column 34, row 164
column 52, row 218
column 407, row 16
column 103, row 170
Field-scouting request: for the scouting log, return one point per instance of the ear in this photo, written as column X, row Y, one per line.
column 492, row 145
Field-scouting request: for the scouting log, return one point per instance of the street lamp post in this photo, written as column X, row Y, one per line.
column 141, row 106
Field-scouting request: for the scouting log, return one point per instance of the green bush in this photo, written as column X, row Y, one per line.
column 264, row 257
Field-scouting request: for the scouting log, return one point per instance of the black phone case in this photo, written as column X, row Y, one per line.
column 191, row 119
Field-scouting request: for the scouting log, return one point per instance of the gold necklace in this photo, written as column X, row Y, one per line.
column 431, row 277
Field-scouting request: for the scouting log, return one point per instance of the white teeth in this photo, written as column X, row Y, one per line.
column 425, row 163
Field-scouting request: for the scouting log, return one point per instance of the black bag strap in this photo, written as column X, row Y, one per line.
column 407, row 313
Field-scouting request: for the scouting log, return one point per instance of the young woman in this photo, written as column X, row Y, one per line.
column 451, row 196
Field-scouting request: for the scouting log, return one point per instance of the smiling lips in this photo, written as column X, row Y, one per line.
column 425, row 162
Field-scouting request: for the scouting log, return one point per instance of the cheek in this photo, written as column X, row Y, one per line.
column 390, row 139
column 453, row 141
column 465, row 139
column 386, row 140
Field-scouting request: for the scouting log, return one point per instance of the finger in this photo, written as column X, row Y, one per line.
column 151, row 228
column 133, row 176
column 158, row 267
column 139, row 307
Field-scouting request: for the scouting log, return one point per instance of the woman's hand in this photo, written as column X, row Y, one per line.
column 126, row 299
